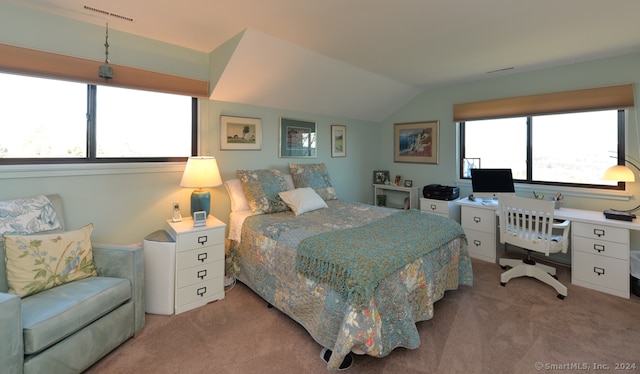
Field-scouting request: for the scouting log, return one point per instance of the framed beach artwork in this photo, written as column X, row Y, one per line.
column 298, row 138
column 240, row 133
column 338, row 141
column 416, row 142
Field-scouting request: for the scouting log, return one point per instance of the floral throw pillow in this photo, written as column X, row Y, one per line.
column 28, row 215
column 314, row 176
column 38, row 262
column 261, row 188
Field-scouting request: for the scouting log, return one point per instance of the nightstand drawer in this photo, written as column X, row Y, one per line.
column 189, row 276
column 479, row 219
column 612, row 234
column 200, row 291
column 196, row 257
column 610, row 273
column 600, row 247
column 200, row 239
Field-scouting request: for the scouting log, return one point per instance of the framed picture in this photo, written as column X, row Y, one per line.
column 397, row 180
column 416, row 142
column 408, row 183
column 298, row 138
column 240, row 133
column 379, row 176
column 338, row 141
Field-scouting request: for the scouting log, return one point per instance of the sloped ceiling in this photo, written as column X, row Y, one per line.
column 265, row 71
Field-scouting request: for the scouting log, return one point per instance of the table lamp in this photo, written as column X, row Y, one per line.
column 621, row 173
column 201, row 172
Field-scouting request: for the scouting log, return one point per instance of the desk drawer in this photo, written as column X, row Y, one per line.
column 196, row 257
column 435, row 206
column 479, row 219
column 612, row 234
column 600, row 247
column 482, row 245
column 610, row 273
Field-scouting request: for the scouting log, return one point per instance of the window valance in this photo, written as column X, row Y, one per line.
column 51, row 65
column 612, row 97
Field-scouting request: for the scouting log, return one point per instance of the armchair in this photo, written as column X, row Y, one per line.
column 67, row 328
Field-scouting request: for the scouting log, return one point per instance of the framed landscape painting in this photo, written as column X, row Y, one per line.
column 416, row 142
column 338, row 141
column 240, row 133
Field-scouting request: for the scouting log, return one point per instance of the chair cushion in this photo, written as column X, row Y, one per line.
column 52, row 315
column 42, row 261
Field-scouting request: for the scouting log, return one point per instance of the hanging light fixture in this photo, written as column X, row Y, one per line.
column 106, row 71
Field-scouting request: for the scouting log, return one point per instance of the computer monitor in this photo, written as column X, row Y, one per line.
column 487, row 184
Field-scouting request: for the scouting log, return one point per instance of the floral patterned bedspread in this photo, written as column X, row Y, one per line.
column 265, row 262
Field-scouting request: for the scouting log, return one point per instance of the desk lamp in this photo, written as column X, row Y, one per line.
column 621, row 173
column 201, row 172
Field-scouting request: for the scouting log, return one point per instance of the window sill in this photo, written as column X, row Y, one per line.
column 65, row 170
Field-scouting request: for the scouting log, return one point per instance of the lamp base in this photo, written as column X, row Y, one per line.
column 200, row 200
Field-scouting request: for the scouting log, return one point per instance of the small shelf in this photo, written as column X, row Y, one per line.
column 379, row 189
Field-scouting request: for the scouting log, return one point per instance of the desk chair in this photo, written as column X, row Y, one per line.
column 528, row 224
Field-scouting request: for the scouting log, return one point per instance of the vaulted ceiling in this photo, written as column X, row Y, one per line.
column 364, row 59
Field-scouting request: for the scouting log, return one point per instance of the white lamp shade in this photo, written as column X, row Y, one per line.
column 200, row 172
column 619, row 173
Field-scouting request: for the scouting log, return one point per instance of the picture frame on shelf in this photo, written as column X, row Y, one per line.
column 397, row 179
column 240, row 133
column 298, row 138
column 416, row 142
column 408, row 183
column 380, row 176
column 338, row 141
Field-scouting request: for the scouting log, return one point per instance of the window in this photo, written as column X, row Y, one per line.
column 571, row 149
column 55, row 121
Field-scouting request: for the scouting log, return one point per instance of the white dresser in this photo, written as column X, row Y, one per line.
column 447, row 208
column 479, row 223
column 199, row 266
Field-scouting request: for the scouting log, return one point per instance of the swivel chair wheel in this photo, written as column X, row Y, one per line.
column 504, row 267
column 503, row 284
column 561, row 297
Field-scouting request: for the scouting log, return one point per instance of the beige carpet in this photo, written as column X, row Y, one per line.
column 486, row 328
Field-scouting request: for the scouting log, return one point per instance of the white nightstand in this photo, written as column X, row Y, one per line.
column 447, row 208
column 199, row 270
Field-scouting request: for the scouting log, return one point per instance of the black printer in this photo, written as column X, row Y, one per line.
column 439, row 192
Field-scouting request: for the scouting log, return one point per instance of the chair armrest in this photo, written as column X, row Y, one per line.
column 12, row 346
column 561, row 225
column 123, row 261
column 564, row 226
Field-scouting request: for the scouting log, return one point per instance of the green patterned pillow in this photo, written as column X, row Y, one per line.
column 314, row 176
column 261, row 188
column 38, row 262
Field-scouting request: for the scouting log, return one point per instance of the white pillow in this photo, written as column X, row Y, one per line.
column 239, row 202
column 302, row 200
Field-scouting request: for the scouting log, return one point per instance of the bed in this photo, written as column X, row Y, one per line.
column 357, row 277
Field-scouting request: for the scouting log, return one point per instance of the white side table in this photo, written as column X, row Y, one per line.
column 199, row 270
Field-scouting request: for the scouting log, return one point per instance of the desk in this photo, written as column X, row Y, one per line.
column 599, row 246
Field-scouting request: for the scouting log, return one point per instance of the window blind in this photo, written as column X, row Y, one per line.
column 51, row 65
column 612, row 97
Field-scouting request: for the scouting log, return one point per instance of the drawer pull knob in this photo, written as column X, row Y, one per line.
column 477, row 243
column 598, row 232
column 201, row 291
column 202, row 274
column 433, row 207
column 202, row 256
column 598, row 247
column 476, row 219
column 597, row 270
column 202, row 239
